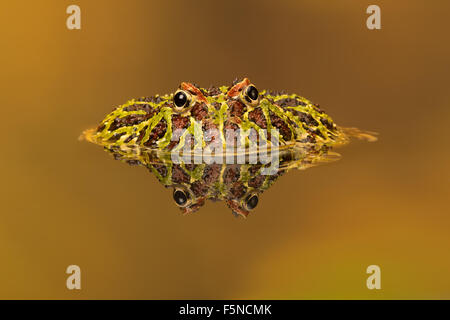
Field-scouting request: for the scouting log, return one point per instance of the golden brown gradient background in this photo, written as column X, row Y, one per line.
column 314, row 233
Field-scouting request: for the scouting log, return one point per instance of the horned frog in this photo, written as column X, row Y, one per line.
column 159, row 125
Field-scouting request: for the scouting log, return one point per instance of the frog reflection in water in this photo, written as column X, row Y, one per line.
column 239, row 185
column 146, row 131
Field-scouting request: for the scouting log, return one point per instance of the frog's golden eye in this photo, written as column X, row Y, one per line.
column 182, row 99
column 250, row 94
column 181, row 198
column 251, row 201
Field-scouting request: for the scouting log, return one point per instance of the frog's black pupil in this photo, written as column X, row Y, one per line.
column 252, row 202
column 252, row 93
column 180, row 99
column 179, row 197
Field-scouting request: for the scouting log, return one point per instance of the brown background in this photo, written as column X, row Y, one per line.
column 314, row 233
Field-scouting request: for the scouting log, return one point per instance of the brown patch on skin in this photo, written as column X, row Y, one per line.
column 318, row 108
column 157, row 133
column 315, row 132
column 130, row 137
column 237, row 88
column 193, row 90
column 171, row 145
column 328, row 124
column 306, row 118
column 199, row 111
column 254, row 169
column 140, row 107
column 116, row 155
column 235, row 120
column 325, row 148
column 230, row 125
column 211, row 173
column 101, row 127
column 134, row 119
column 309, row 139
column 269, row 99
column 154, row 99
column 237, row 190
column 179, row 175
column 292, row 123
column 142, row 133
column 133, row 162
column 208, row 125
column 116, row 136
column 236, row 108
column 161, row 169
column 282, row 127
column 319, row 133
column 290, row 102
column 179, row 122
column 115, row 125
column 214, row 91
column 276, row 93
column 190, row 166
column 231, row 174
column 130, row 120
column 200, row 189
column 256, row 182
column 287, row 157
column 257, row 116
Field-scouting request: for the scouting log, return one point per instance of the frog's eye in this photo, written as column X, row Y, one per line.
column 181, row 198
column 182, row 100
column 251, row 202
column 250, row 94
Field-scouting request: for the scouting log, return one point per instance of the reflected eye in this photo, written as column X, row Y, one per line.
column 251, row 94
column 181, row 99
column 251, row 202
column 181, row 197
